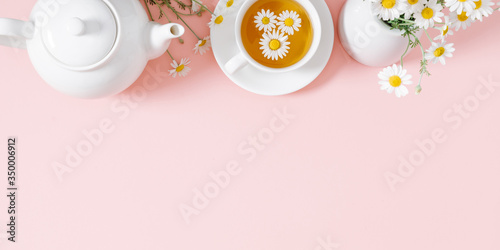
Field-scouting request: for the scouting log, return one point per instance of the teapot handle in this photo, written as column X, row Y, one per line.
column 13, row 33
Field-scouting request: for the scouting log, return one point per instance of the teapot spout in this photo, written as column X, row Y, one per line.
column 160, row 37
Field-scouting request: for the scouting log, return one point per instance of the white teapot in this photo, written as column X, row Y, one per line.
column 89, row 48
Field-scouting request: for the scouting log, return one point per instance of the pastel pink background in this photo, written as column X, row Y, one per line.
column 321, row 179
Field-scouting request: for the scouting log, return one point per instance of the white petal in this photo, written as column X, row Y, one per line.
column 403, row 90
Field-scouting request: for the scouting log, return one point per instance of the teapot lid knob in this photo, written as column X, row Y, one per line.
column 75, row 26
column 89, row 25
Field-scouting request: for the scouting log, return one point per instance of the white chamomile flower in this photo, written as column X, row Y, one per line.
column 438, row 52
column 203, row 45
column 180, row 69
column 217, row 18
column 426, row 15
column 413, row 6
column 388, row 9
column 460, row 21
column 461, row 6
column 265, row 20
column 195, row 6
column 445, row 30
column 483, row 8
column 231, row 4
column 274, row 45
column 289, row 21
column 394, row 79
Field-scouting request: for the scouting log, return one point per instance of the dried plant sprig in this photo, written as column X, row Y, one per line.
column 180, row 10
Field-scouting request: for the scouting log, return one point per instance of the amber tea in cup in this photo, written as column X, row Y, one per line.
column 276, row 33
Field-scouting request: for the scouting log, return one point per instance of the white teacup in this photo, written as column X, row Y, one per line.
column 242, row 59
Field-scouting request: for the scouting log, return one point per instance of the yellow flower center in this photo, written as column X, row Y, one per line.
column 388, row 4
column 395, row 81
column 427, row 13
column 229, row 3
column 274, row 44
column 478, row 4
column 462, row 1
column 289, row 22
column 412, row 2
column 463, row 17
column 203, row 42
column 219, row 20
column 445, row 30
column 439, row 52
column 180, row 68
column 266, row 20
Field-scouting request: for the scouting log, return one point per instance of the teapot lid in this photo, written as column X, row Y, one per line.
column 81, row 33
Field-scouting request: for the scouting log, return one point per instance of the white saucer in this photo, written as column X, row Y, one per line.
column 272, row 84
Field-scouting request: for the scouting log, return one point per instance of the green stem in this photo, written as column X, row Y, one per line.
column 406, row 24
column 170, row 55
column 405, row 20
column 161, row 10
column 203, row 6
column 190, row 6
column 184, row 14
column 175, row 12
column 149, row 11
column 428, row 36
column 420, row 79
column 406, row 51
column 423, row 56
column 181, row 3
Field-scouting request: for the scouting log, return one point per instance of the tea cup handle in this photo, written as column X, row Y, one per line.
column 236, row 63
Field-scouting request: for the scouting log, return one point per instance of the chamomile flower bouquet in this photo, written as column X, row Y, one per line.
column 411, row 16
column 187, row 8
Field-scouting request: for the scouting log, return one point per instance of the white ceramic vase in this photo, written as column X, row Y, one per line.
column 368, row 39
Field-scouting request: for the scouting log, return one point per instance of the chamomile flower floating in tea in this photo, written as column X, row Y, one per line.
column 388, row 9
column 393, row 79
column 438, row 52
column 483, row 8
column 203, row 45
column 460, row 6
column 460, row 20
column 275, row 41
column 276, row 33
column 265, row 20
column 289, row 21
column 426, row 15
column 274, row 45
column 181, row 68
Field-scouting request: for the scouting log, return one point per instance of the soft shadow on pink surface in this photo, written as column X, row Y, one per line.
column 317, row 176
column 338, row 58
